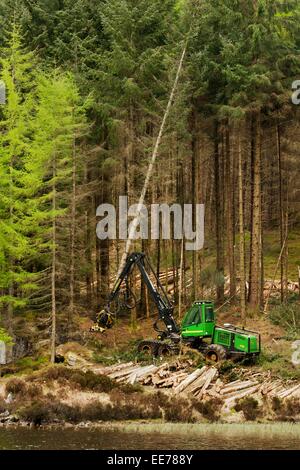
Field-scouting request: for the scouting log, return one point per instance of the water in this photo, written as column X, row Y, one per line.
column 116, row 439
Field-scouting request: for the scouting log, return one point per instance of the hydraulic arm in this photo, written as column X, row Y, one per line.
column 106, row 318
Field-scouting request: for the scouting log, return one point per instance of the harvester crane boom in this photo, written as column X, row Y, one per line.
column 158, row 294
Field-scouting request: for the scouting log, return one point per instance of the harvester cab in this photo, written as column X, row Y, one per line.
column 199, row 324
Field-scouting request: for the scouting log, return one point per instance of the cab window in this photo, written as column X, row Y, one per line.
column 193, row 316
column 209, row 314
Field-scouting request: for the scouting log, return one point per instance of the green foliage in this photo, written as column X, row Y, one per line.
column 209, row 277
column 279, row 365
column 209, row 409
column 5, row 337
column 242, row 53
column 250, row 408
column 16, row 206
column 287, row 316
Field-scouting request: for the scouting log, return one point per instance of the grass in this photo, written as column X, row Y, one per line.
column 272, row 430
column 279, row 365
column 25, row 365
column 272, row 250
column 287, row 316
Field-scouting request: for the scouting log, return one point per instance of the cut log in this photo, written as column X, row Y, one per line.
column 190, row 379
column 118, row 367
column 124, row 372
column 264, row 387
column 143, row 371
column 288, row 392
column 237, row 387
column 241, row 394
column 274, row 393
column 272, row 387
column 210, row 378
column 219, row 385
column 132, row 379
column 199, row 383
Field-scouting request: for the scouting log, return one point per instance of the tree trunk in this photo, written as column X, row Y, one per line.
column 181, row 276
column 281, row 215
column 242, row 233
column 194, row 187
column 229, row 185
column 255, row 248
column 218, row 218
column 72, row 241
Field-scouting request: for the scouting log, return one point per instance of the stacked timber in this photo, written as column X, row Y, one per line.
column 203, row 383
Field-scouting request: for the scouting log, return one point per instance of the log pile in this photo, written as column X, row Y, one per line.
column 203, row 383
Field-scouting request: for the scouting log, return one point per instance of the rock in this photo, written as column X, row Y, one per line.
column 5, row 420
column 9, row 399
column 83, row 425
column 14, row 419
column 4, row 414
column 5, row 353
column 71, row 359
column 21, row 348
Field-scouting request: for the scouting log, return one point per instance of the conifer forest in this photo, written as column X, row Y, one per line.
column 86, row 87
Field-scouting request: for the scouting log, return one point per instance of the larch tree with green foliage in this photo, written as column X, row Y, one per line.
column 17, row 218
column 58, row 122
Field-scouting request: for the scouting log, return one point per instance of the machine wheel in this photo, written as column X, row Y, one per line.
column 215, row 353
column 148, row 347
column 164, row 350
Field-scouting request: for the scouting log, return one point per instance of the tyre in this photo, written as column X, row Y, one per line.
column 215, row 353
column 164, row 350
column 148, row 348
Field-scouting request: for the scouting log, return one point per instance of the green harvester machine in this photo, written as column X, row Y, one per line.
column 198, row 329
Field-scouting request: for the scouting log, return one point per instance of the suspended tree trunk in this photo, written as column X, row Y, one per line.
column 153, row 160
column 242, row 232
column 255, row 245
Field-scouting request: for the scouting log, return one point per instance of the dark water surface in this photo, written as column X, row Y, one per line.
column 116, row 439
